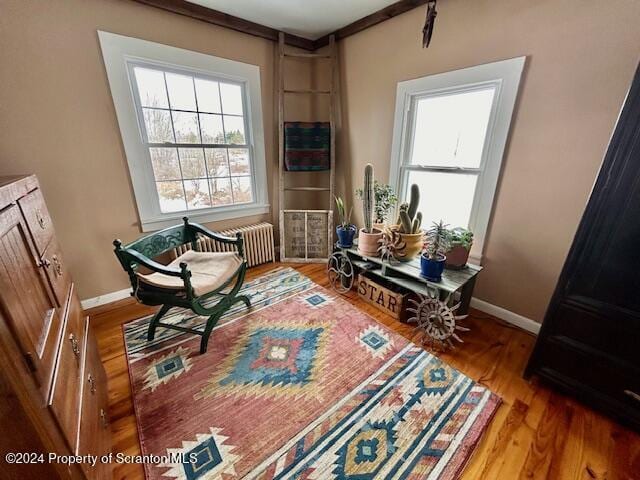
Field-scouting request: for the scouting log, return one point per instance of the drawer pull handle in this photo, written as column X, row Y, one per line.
column 633, row 395
column 41, row 221
column 57, row 265
column 74, row 345
column 103, row 418
column 92, row 383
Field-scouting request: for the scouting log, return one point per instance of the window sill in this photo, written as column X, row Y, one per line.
column 205, row 216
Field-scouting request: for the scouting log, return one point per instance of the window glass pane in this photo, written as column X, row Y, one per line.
column 241, row 189
column 165, row 163
column 446, row 196
column 158, row 125
column 211, row 126
column 450, row 129
column 217, row 165
column 208, row 95
column 231, row 99
column 171, row 196
column 197, row 194
column 192, row 162
column 239, row 161
column 221, row 191
column 181, row 93
column 234, row 129
column 151, row 88
column 186, row 127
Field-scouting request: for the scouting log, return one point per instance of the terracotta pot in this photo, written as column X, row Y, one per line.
column 413, row 246
column 457, row 257
column 368, row 243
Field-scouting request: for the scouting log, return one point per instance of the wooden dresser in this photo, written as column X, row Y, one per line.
column 53, row 385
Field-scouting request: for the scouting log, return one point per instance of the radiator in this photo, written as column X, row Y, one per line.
column 258, row 243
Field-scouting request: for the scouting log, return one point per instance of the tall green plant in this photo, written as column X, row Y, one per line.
column 368, row 199
column 409, row 219
column 342, row 212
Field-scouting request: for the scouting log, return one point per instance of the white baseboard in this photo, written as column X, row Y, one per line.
column 502, row 313
column 506, row 315
column 106, row 298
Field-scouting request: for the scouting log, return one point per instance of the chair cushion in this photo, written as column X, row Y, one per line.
column 208, row 270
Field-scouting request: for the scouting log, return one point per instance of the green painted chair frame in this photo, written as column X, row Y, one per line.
column 141, row 253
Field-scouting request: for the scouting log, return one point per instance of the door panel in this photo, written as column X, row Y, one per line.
column 37, row 216
column 36, row 323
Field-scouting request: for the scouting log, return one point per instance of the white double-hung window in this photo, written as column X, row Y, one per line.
column 449, row 136
column 192, row 130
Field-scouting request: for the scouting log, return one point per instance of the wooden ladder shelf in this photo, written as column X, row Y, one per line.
column 332, row 95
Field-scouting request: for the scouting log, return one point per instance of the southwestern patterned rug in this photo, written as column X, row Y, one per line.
column 305, row 386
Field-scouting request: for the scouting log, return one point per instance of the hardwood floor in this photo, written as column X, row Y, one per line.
column 536, row 433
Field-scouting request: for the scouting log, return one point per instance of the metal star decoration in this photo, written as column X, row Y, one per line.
column 436, row 320
column 391, row 245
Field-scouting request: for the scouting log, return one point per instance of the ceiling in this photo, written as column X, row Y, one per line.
column 306, row 18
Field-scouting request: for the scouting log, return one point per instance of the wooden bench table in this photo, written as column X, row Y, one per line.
column 407, row 275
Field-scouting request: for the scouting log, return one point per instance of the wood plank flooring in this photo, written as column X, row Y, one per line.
column 535, row 434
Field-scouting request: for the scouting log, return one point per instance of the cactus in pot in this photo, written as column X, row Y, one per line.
column 434, row 257
column 369, row 236
column 368, row 199
column 408, row 225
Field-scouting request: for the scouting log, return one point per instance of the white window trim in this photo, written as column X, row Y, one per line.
column 119, row 52
column 505, row 77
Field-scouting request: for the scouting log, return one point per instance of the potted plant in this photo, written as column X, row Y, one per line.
column 408, row 225
column 460, row 242
column 345, row 230
column 433, row 259
column 369, row 235
column 385, row 200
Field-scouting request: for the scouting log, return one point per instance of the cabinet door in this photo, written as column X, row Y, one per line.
column 37, row 218
column 35, row 323
column 603, row 270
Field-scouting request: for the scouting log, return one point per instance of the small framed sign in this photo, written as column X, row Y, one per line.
column 306, row 236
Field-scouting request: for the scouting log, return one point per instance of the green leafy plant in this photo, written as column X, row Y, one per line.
column 460, row 236
column 409, row 219
column 436, row 241
column 385, row 200
column 345, row 217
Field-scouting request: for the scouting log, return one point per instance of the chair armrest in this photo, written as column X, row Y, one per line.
column 216, row 236
column 153, row 265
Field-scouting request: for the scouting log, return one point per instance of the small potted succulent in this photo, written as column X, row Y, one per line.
column 385, row 200
column 460, row 242
column 345, row 229
column 369, row 236
column 408, row 225
column 433, row 258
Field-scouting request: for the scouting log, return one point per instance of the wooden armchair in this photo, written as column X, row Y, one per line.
column 190, row 281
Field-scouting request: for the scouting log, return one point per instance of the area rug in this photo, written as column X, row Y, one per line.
column 305, row 386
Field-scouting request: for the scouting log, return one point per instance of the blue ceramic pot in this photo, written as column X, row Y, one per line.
column 345, row 236
column 432, row 269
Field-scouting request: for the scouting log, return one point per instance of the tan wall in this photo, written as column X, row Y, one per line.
column 57, row 117
column 581, row 55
